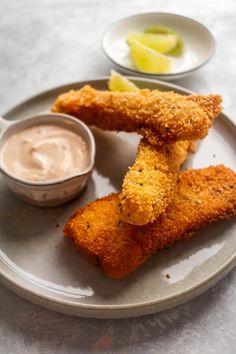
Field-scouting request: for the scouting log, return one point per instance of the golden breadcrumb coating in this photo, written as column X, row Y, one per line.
column 149, row 184
column 202, row 197
column 158, row 116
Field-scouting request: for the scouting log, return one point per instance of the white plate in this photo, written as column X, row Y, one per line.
column 40, row 265
column 199, row 43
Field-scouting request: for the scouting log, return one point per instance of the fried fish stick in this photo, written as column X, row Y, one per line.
column 202, row 197
column 150, row 182
column 158, row 116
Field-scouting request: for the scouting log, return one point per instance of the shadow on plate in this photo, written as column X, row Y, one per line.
column 114, row 155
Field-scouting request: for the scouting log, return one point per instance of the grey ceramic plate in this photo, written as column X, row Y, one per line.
column 40, row 265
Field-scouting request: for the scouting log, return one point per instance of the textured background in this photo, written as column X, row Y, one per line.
column 51, row 42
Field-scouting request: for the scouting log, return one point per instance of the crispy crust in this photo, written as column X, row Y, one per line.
column 149, row 184
column 202, row 197
column 158, row 116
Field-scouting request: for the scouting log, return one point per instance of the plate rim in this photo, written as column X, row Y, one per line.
column 154, row 306
column 113, row 311
column 160, row 75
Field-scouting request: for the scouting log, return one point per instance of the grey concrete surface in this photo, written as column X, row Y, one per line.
column 51, row 42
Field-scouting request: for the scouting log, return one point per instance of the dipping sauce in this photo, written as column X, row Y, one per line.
column 44, row 153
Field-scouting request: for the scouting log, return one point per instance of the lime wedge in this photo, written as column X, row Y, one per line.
column 118, row 82
column 178, row 50
column 148, row 60
column 162, row 43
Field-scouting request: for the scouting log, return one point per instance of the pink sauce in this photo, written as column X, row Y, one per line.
column 44, row 153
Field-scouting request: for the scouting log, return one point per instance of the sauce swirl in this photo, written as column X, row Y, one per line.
column 44, row 153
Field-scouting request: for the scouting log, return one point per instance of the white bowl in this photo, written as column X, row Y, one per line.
column 199, row 43
column 55, row 192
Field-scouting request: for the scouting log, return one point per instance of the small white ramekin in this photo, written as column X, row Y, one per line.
column 48, row 193
column 198, row 41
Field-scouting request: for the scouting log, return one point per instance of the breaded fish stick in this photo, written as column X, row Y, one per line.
column 202, row 197
column 158, row 116
column 149, row 184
